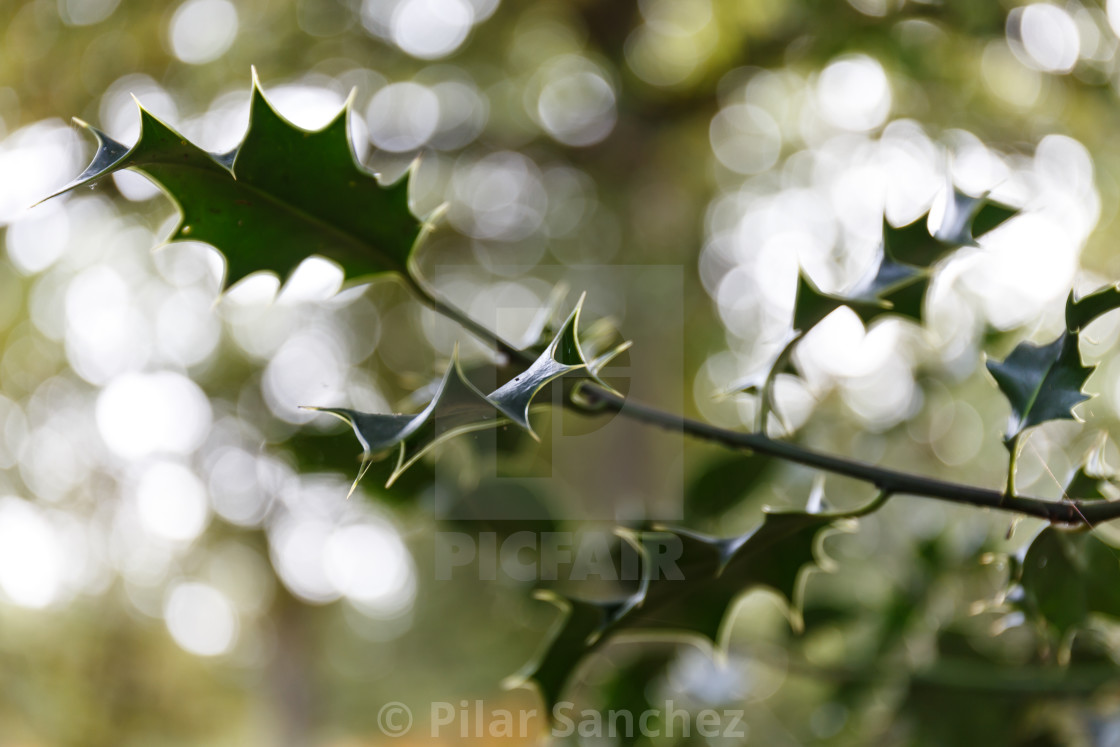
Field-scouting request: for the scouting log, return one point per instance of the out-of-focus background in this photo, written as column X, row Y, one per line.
column 179, row 563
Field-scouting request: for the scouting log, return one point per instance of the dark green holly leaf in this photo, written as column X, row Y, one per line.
column 632, row 688
column 109, row 154
column 894, row 289
column 891, row 274
column 812, row 305
column 966, row 219
column 962, row 222
column 901, row 280
column 1081, row 311
column 912, row 244
column 1067, row 576
column 691, row 582
column 870, row 303
column 456, row 408
column 376, row 432
column 1042, row 382
column 283, row 194
column 309, row 451
column 990, row 216
column 902, row 288
column 774, row 556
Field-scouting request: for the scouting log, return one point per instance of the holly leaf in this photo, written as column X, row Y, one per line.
column 989, row 216
column 966, row 218
column 812, row 305
column 457, row 408
column 1081, row 311
column 283, row 194
column 1066, row 577
column 631, row 688
column 902, row 287
column 889, row 275
column 690, row 584
column 1042, row 382
column 562, row 356
column 901, row 280
column 893, row 290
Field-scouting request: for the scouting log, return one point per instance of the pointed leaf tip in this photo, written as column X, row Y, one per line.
column 1081, row 311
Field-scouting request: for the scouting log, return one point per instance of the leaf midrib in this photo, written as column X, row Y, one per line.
column 348, row 239
column 1037, row 390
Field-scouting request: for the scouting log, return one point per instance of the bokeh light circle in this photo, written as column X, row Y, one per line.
column 203, row 30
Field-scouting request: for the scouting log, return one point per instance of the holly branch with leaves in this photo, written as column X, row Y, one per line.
column 285, row 194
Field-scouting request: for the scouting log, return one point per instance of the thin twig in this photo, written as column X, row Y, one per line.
column 892, row 481
column 428, row 297
column 1067, row 512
